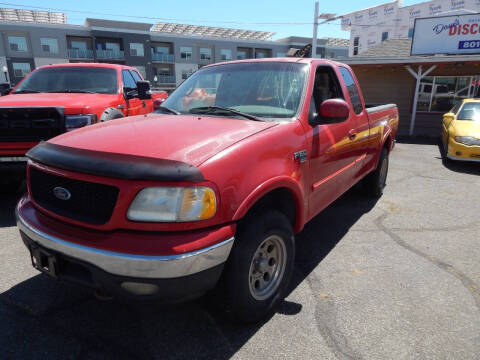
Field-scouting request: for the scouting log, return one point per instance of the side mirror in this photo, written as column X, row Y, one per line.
column 333, row 111
column 143, row 89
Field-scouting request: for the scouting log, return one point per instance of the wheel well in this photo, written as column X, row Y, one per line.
column 388, row 143
column 280, row 199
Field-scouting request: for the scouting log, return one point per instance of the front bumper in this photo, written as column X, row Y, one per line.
column 13, row 164
column 110, row 269
column 458, row 151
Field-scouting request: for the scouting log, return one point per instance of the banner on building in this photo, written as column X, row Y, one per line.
column 458, row 34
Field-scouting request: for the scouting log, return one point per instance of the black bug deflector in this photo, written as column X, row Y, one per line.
column 121, row 166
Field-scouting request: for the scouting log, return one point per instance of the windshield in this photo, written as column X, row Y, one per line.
column 259, row 89
column 470, row 111
column 70, row 79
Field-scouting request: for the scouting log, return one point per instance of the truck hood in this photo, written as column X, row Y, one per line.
column 190, row 139
column 66, row 100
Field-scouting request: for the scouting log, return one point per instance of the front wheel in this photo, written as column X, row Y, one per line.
column 260, row 265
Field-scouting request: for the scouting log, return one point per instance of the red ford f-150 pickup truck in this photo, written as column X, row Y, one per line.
column 210, row 192
column 54, row 99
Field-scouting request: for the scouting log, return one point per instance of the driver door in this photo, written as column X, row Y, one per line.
column 332, row 150
column 134, row 104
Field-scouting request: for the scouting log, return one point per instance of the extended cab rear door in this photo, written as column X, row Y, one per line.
column 360, row 133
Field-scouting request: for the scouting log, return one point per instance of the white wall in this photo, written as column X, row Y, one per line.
column 369, row 24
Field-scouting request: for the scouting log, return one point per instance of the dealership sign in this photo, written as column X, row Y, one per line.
column 447, row 35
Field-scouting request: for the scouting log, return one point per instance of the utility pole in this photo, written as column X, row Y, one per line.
column 315, row 28
column 326, row 17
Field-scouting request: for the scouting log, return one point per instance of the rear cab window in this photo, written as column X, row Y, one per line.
column 352, row 90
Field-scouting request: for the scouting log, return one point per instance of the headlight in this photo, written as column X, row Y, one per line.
column 467, row 140
column 173, row 204
column 73, row 122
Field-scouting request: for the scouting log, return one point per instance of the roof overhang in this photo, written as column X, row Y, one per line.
column 411, row 60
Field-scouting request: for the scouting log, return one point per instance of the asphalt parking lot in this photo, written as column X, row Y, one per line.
column 397, row 278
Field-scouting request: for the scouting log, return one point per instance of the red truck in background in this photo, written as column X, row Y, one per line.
column 210, row 193
column 54, row 99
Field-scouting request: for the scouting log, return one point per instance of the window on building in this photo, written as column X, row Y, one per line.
column 112, row 46
column 136, row 49
column 78, row 45
column 225, row 54
column 165, row 50
column 410, row 33
column 49, row 45
column 442, row 93
column 17, row 43
column 384, row 35
column 21, row 70
column 242, row 54
column 205, row 54
column 356, row 45
column 186, row 73
column 185, row 52
column 262, row 53
column 352, row 90
column 281, row 54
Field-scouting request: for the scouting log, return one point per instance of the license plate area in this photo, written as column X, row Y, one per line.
column 43, row 261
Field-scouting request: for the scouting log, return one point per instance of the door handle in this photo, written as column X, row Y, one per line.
column 352, row 134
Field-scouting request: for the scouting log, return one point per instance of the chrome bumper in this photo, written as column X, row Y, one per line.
column 139, row 266
column 9, row 159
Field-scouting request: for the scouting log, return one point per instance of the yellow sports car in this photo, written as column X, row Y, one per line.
column 461, row 131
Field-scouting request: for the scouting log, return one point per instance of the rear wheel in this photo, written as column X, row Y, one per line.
column 375, row 182
column 260, row 265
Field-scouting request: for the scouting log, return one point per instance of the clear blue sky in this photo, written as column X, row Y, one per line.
column 246, row 13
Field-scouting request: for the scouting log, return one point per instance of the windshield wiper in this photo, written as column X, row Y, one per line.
column 26, row 91
column 210, row 109
column 168, row 110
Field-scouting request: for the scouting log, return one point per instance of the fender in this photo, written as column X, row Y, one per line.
column 270, row 185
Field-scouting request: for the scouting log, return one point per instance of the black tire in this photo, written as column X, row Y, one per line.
column 236, row 290
column 111, row 114
column 375, row 183
column 445, row 150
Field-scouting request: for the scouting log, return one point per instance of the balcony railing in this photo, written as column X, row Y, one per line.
column 80, row 54
column 205, row 61
column 165, row 79
column 164, row 58
column 110, row 54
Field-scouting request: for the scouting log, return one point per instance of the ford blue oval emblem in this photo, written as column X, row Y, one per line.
column 61, row 193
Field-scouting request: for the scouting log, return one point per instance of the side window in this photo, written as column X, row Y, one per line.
column 135, row 75
column 128, row 80
column 352, row 90
column 326, row 86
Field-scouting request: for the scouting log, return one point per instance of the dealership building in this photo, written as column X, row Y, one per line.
column 425, row 64
column 165, row 53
